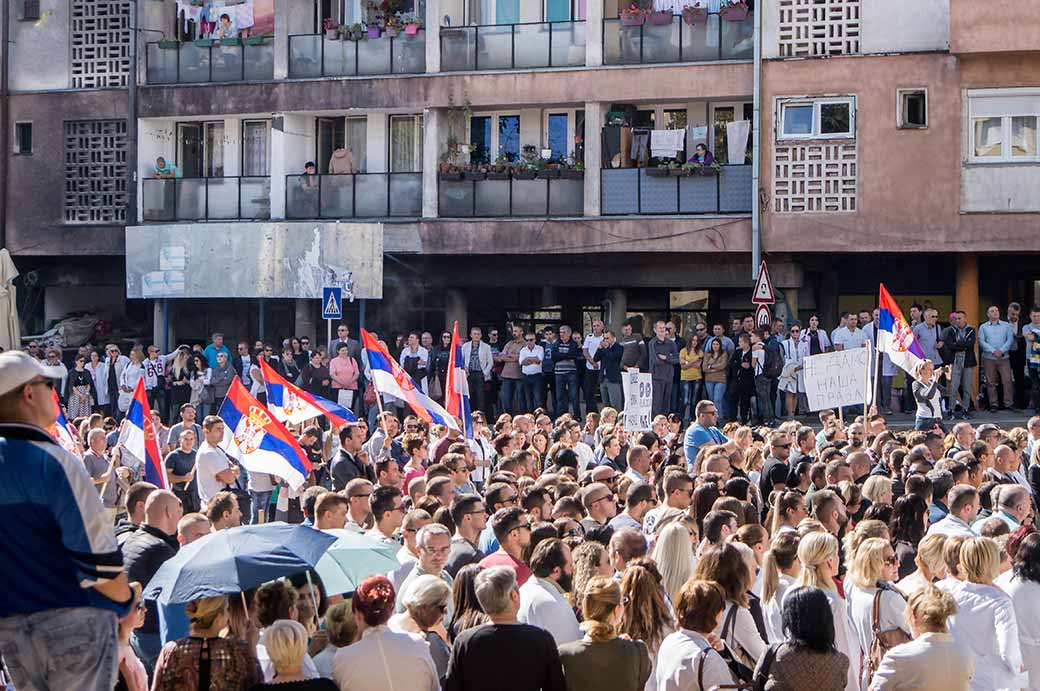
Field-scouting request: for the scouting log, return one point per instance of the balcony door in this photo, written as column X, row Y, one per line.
column 721, row 115
column 564, row 10
column 495, row 12
column 406, row 143
column 200, row 149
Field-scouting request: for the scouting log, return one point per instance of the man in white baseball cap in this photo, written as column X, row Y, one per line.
column 62, row 569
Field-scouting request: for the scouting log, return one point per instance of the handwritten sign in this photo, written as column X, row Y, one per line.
column 639, row 400
column 837, row 379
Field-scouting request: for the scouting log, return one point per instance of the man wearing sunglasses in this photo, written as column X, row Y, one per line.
column 57, row 545
column 702, row 432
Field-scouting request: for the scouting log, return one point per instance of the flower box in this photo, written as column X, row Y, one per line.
column 473, row 175
column 548, row 174
column 392, row 31
column 229, row 42
column 203, row 42
column 411, row 29
column 632, row 17
column 570, row 174
column 498, row 175
column 524, row 175
column 450, row 177
column 167, row 44
column 657, row 172
column 254, row 40
column 662, row 18
column 735, row 12
column 677, row 172
column 695, row 15
column 374, row 32
column 332, row 34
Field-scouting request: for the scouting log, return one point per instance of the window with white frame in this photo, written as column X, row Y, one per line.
column 1004, row 125
column 816, row 118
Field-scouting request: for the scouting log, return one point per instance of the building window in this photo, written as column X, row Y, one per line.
column 480, row 139
column 100, row 39
column 406, row 143
column 95, row 171
column 23, row 138
column 509, row 136
column 256, row 145
column 557, row 139
column 913, row 108
column 1004, row 126
column 824, row 118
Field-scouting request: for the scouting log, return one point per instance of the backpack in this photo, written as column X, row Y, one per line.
column 774, row 364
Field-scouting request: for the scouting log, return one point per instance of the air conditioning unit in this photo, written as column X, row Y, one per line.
column 30, row 10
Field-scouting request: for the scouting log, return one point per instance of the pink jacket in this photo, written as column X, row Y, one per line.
column 344, row 373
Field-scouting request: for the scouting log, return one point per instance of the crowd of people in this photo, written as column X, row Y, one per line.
column 550, row 551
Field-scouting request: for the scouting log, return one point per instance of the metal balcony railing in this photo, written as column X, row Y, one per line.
column 513, row 46
column 315, row 55
column 234, row 60
column 514, row 197
column 357, row 195
column 636, row 191
column 206, row 199
column 677, row 41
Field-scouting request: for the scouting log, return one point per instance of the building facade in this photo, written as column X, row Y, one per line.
column 897, row 142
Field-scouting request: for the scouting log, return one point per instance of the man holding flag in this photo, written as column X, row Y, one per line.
column 456, row 384
column 138, row 438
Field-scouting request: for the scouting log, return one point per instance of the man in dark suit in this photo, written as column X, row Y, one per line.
column 347, row 466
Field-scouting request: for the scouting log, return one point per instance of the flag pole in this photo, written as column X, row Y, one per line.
column 379, row 403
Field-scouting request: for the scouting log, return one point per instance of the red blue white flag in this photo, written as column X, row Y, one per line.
column 456, row 385
column 139, row 439
column 895, row 337
column 293, row 405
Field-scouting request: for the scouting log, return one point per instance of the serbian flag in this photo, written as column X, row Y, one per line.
column 60, row 428
column 139, row 439
column 456, row 386
column 895, row 337
column 390, row 378
column 256, row 438
column 292, row 405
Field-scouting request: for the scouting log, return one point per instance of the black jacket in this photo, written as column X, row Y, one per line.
column 345, row 468
column 144, row 552
column 952, row 345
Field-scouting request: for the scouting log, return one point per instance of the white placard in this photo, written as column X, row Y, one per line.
column 837, row 379
column 639, row 400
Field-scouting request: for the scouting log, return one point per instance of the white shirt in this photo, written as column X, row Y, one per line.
column 932, row 662
column 591, row 345
column 1025, row 597
column 544, row 605
column 385, row 659
column 848, row 339
column 677, row 664
column 745, row 634
column 307, row 669
column 985, row 622
column 483, row 450
column 951, row 525
column 586, row 456
column 861, row 613
column 208, row 462
column 773, row 612
column 528, row 352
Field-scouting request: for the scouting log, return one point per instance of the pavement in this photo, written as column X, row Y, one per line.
column 903, row 421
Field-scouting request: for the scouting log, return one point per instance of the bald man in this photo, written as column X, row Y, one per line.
column 143, row 553
column 1013, row 507
column 1005, row 463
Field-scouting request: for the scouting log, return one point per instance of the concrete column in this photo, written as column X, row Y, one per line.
column 433, row 36
column 967, row 297
column 433, row 124
column 455, row 309
column 305, row 323
column 159, row 336
column 594, row 33
column 828, row 304
column 618, row 308
column 281, row 39
column 595, row 116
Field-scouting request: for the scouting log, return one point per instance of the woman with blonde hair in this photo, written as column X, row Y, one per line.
column 878, row 489
column 232, row 662
column 426, row 601
column 868, row 588
column 786, row 513
column 864, row 530
column 780, row 567
column 647, row 617
column 286, row 642
column 818, row 554
column 674, row 557
column 933, row 660
column 985, row 619
column 930, row 565
column 602, row 661
column 341, row 630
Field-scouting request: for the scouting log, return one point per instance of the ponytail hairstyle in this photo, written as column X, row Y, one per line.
column 781, row 556
column 204, row 612
column 374, row 600
column 598, row 603
column 813, row 550
column 782, row 503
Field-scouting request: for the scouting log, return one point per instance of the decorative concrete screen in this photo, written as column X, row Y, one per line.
column 809, row 28
column 95, row 171
column 100, row 43
column 814, row 177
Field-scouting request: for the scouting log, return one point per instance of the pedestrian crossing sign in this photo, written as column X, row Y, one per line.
column 331, row 302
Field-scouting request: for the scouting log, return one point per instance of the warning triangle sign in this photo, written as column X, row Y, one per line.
column 763, row 293
column 332, row 307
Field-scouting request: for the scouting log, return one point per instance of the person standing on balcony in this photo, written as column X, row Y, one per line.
column 164, row 169
column 342, row 162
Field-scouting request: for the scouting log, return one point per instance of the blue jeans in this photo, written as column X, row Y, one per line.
column 507, row 394
column 716, row 391
column 259, row 500
column 533, row 385
column 763, row 400
column 689, row 393
column 567, row 393
column 59, row 649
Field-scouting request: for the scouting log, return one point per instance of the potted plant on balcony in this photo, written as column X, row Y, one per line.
column 658, row 171
column 472, row 172
column 734, row 10
column 528, row 166
column 677, row 170
column 548, row 171
column 695, row 14
column 575, row 171
column 659, row 18
column 633, row 15
column 500, row 170
column 373, row 30
column 412, row 24
column 331, row 28
column 393, row 27
column 448, row 171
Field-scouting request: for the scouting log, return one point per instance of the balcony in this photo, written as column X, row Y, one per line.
column 677, row 41
column 315, row 55
column 625, row 191
column 233, row 60
column 511, row 197
column 513, row 46
column 206, row 199
column 996, row 26
column 358, row 195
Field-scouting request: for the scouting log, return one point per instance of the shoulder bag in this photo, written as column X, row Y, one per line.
column 735, row 658
column 883, row 640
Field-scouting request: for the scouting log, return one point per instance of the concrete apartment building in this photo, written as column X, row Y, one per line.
column 897, row 142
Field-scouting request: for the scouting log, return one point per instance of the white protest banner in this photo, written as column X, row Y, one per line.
column 639, row 400
column 837, row 379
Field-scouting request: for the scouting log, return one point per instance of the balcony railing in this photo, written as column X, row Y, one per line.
column 207, row 199
column 677, row 41
column 315, row 55
column 237, row 60
column 513, row 46
column 358, row 195
column 515, row 197
column 635, row 191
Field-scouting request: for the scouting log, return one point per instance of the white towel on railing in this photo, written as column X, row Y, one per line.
column 666, row 143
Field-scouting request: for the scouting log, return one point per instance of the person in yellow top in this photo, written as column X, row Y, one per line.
column 691, row 380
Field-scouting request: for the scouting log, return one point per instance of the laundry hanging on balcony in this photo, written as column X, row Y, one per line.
column 241, row 16
column 667, row 143
column 737, row 140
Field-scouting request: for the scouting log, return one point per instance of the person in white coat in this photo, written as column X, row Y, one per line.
column 818, row 553
column 873, row 569
column 726, row 566
column 1024, row 590
column 792, row 381
column 688, row 659
column 543, row 598
column 780, row 568
column 932, row 661
column 985, row 620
